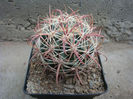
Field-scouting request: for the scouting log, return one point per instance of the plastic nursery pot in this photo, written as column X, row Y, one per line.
column 62, row 96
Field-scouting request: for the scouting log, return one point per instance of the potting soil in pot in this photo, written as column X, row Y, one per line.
column 43, row 82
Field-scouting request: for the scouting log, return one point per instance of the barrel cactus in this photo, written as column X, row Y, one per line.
column 66, row 43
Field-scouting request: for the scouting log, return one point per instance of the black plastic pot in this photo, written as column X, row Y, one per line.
column 65, row 96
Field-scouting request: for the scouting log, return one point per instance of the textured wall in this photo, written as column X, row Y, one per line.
column 18, row 17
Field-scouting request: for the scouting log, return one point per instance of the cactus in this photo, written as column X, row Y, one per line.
column 66, row 43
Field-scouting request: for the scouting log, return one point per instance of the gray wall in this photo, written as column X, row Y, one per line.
column 18, row 17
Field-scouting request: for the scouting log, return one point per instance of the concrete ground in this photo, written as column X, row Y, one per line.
column 118, row 70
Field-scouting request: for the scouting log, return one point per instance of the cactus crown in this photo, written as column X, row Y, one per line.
column 66, row 42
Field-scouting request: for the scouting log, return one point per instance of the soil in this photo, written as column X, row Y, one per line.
column 41, row 82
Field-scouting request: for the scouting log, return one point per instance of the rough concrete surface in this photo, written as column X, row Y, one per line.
column 19, row 17
column 118, row 70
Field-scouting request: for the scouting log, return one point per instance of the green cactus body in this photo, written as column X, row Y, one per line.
column 66, row 42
